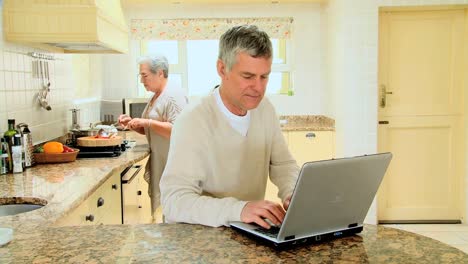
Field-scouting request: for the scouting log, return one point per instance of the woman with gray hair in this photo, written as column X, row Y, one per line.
column 157, row 119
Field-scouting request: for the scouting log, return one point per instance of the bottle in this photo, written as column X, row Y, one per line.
column 9, row 134
column 5, row 157
column 17, row 154
column 28, row 148
column 3, row 161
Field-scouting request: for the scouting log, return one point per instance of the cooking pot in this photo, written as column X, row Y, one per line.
column 89, row 132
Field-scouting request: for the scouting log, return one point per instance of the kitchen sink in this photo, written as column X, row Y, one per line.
column 17, row 205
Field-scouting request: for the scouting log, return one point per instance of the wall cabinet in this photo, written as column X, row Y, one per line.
column 102, row 207
column 305, row 146
column 136, row 201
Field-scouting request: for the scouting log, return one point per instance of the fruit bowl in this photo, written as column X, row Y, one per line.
column 56, row 157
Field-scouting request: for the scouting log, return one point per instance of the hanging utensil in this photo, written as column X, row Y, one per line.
column 48, row 77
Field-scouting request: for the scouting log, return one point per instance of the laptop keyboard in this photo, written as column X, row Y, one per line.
column 272, row 232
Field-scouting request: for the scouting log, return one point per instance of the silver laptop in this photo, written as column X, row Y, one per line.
column 330, row 200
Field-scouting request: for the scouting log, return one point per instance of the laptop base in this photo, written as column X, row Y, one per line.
column 303, row 241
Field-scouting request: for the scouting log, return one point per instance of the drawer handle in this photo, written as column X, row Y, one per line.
column 100, row 202
column 139, row 192
column 310, row 135
column 114, row 186
column 90, row 218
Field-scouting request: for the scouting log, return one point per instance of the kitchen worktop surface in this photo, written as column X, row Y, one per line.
column 63, row 186
column 183, row 243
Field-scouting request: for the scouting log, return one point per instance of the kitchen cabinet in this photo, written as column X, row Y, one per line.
column 103, row 206
column 305, row 146
column 136, row 201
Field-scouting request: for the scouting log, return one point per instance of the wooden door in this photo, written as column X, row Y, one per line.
column 421, row 62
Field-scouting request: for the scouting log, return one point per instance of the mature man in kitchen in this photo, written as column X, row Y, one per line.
column 157, row 119
column 224, row 147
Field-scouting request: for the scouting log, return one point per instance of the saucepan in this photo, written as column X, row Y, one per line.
column 87, row 132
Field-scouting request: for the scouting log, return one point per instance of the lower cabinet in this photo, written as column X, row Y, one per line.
column 305, row 146
column 104, row 206
column 136, row 201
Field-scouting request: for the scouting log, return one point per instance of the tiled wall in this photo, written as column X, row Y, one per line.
column 18, row 92
column 19, row 89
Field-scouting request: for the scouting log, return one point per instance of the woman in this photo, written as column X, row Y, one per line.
column 156, row 120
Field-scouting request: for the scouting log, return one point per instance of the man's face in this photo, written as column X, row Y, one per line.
column 150, row 80
column 244, row 86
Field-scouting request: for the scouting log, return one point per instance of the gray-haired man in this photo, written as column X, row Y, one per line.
column 224, row 147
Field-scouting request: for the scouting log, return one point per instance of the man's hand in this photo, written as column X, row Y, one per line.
column 287, row 201
column 124, row 119
column 257, row 211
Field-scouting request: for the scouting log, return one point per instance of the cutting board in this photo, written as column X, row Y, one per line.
column 98, row 142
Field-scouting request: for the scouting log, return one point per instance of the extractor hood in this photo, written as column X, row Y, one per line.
column 68, row 26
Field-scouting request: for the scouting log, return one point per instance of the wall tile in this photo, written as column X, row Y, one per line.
column 2, row 103
column 8, row 81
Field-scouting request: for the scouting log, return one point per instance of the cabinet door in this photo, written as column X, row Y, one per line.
column 311, row 145
column 111, row 211
column 305, row 146
column 103, row 206
column 137, row 203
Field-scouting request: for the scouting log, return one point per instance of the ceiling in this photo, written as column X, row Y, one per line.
column 130, row 2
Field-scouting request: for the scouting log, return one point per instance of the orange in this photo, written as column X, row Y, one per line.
column 53, row 147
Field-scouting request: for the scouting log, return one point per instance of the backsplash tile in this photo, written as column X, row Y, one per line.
column 19, row 89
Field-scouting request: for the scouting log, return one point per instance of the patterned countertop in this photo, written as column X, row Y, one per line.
column 307, row 122
column 63, row 186
column 182, row 243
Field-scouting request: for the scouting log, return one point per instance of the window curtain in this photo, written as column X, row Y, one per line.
column 204, row 28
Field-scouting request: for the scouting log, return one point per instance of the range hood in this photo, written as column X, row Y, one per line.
column 67, row 26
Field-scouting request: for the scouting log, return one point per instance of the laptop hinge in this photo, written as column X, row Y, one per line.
column 290, row 237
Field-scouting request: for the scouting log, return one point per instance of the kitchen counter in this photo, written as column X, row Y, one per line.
column 183, row 243
column 307, row 123
column 63, row 186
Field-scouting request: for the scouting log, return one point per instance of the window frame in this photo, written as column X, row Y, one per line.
column 182, row 67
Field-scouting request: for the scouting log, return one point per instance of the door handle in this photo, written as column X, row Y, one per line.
column 383, row 95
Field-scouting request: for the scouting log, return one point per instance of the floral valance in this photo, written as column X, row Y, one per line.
column 204, row 28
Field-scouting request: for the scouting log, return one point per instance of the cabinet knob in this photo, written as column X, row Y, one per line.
column 100, row 202
column 139, row 192
column 90, row 218
column 114, row 186
column 139, row 206
column 310, row 135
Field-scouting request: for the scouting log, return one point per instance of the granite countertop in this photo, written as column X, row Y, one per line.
column 63, row 186
column 183, row 243
column 307, row 122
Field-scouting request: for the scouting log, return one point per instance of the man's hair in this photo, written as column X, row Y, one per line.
column 156, row 63
column 245, row 38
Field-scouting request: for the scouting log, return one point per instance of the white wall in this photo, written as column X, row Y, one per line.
column 307, row 58
column 18, row 90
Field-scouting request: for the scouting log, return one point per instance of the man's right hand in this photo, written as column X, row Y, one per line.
column 257, row 211
column 124, row 119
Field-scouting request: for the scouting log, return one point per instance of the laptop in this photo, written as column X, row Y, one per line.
column 330, row 200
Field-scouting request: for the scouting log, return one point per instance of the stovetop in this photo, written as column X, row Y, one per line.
column 100, row 152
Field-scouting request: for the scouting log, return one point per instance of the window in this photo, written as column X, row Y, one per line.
column 193, row 65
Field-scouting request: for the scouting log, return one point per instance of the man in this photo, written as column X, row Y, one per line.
column 157, row 119
column 224, row 147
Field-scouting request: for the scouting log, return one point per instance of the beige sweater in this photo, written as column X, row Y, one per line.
column 212, row 170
